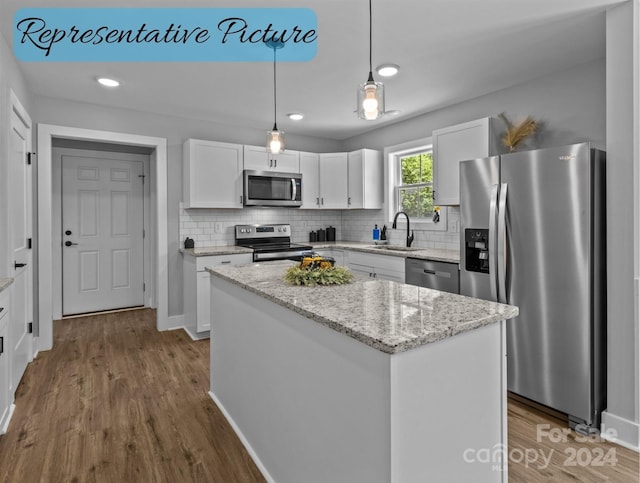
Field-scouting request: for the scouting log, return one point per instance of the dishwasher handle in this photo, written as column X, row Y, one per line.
column 437, row 273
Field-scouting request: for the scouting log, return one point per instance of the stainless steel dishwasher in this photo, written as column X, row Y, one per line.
column 437, row 275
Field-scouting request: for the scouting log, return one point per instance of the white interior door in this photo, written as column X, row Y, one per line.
column 21, row 219
column 102, row 234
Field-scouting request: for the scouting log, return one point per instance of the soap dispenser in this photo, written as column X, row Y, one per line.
column 376, row 233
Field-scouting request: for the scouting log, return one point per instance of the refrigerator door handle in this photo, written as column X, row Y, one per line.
column 493, row 236
column 501, row 242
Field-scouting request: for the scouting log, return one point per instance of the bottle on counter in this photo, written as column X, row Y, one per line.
column 376, row 233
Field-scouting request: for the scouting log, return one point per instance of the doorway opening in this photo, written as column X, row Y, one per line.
column 155, row 296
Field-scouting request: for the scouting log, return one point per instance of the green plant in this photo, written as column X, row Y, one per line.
column 317, row 276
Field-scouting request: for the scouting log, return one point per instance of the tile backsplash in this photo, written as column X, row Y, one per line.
column 215, row 227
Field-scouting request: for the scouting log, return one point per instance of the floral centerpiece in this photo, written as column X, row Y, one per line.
column 316, row 270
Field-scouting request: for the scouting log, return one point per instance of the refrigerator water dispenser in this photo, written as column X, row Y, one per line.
column 476, row 250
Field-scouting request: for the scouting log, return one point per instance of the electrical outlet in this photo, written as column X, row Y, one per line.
column 217, row 227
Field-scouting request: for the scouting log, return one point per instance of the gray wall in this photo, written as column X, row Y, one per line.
column 176, row 130
column 622, row 140
column 10, row 78
column 570, row 104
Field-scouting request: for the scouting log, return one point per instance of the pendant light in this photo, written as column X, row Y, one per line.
column 371, row 93
column 275, row 137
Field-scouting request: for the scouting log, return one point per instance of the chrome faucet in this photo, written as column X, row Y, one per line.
column 394, row 226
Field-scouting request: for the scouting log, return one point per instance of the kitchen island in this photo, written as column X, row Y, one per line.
column 374, row 381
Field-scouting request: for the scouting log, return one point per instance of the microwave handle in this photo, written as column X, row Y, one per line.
column 294, row 189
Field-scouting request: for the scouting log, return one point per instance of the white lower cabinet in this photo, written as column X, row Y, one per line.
column 384, row 267
column 6, row 395
column 197, row 298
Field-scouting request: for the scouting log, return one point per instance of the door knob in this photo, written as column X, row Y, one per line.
column 68, row 244
column 68, row 232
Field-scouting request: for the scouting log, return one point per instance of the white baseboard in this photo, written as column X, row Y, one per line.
column 5, row 426
column 242, row 438
column 625, row 433
column 196, row 335
column 174, row 322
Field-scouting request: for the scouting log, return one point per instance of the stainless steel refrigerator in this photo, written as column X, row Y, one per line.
column 533, row 235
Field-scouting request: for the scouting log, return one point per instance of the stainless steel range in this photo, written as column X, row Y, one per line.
column 270, row 242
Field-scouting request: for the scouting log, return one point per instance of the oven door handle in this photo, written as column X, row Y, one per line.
column 294, row 189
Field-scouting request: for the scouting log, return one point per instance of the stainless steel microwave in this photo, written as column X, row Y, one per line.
column 268, row 188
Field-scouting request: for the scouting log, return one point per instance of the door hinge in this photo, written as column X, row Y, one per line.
column 30, row 328
column 29, row 243
column 141, row 176
column 30, row 157
column 144, row 234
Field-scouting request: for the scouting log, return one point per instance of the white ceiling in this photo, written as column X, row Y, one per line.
column 448, row 51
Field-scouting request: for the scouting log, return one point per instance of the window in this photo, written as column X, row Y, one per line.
column 414, row 190
column 410, row 184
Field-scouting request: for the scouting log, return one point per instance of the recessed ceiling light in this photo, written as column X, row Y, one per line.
column 387, row 70
column 107, row 82
column 295, row 116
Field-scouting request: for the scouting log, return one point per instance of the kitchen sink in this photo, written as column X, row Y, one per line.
column 396, row 248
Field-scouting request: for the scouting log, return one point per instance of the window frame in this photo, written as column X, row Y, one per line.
column 393, row 156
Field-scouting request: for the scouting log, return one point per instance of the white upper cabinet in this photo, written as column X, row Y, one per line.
column 212, row 174
column 334, row 186
column 309, row 167
column 256, row 158
column 365, row 179
column 470, row 140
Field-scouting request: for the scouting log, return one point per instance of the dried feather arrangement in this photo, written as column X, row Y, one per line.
column 516, row 133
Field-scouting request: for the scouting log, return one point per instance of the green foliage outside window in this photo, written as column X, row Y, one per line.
column 415, row 195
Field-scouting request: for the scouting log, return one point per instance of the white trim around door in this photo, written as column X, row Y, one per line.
column 158, row 158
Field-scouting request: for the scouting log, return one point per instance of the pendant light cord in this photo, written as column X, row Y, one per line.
column 370, row 79
column 370, row 39
column 275, row 125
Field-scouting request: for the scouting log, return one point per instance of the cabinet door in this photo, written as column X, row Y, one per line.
column 203, row 302
column 453, row 144
column 212, row 174
column 334, row 174
column 392, row 275
column 356, row 180
column 365, row 179
column 256, row 158
column 309, row 165
column 286, row 162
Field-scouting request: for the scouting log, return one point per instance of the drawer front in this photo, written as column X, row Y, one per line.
column 436, row 275
column 385, row 262
column 221, row 260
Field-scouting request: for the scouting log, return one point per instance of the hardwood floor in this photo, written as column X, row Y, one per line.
column 543, row 449
column 115, row 400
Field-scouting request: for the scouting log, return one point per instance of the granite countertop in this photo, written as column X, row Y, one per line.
column 5, row 282
column 221, row 250
column 439, row 255
column 435, row 254
column 389, row 316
